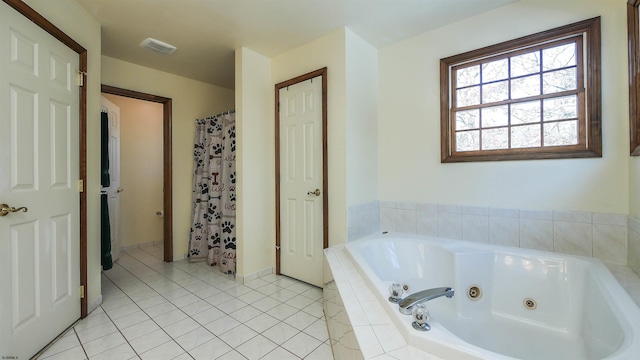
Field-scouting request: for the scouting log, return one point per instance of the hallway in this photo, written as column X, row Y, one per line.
column 181, row 310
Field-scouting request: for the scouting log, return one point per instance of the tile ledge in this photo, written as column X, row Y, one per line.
column 628, row 279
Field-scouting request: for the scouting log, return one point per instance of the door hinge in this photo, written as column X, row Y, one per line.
column 81, row 291
column 80, row 80
column 80, row 185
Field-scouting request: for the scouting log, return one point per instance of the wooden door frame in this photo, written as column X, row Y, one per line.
column 167, row 197
column 325, row 194
column 54, row 31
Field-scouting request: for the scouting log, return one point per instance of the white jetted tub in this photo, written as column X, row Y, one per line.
column 531, row 304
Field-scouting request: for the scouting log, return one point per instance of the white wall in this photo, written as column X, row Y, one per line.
column 141, row 170
column 409, row 132
column 72, row 19
column 191, row 100
column 255, row 163
column 362, row 120
column 327, row 51
column 634, row 189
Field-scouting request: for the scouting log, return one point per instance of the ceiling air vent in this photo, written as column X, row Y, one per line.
column 158, row 46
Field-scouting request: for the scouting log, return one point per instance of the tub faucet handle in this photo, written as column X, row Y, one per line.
column 420, row 315
column 396, row 290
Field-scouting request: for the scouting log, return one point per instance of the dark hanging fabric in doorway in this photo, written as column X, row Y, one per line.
column 105, row 233
column 105, row 180
column 105, row 226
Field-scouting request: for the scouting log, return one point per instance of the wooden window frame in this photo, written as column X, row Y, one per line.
column 633, row 29
column 590, row 118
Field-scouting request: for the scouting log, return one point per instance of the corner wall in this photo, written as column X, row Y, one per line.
column 634, row 191
column 191, row 100
column 255, row 165
column 633, row 240
column 362, row 120
column 409, row 133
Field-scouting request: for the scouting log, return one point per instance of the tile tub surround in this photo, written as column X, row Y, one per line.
column 375, row 334
column 359, row 328
column 363, row 219
column 599, row 235
column 633, row 252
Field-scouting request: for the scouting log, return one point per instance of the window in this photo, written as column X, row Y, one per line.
column 634, row 74
column 537, row 97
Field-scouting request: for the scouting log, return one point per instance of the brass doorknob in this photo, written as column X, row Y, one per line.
column 6, row 209
column 316, row 193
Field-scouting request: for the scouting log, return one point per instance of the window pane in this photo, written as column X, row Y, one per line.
column 560, row 80
column 495, row 139
column 525, row 64
column 495, row 92
column 495, row 70
column 468, row 96
column 525, row 136
column 561, row 133
column 526, row 86
column 559, row 56
column 468, row 76
column 469, row 119
column 467, row 141
column 565, row 107
column 524, row 113
column 495, row 116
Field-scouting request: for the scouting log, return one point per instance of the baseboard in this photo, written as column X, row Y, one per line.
column 94, row 305
column 140, row 245
column 146, row 244
column 128, row 247
column 249, row 277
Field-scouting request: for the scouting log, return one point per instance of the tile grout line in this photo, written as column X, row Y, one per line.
column 81, row 346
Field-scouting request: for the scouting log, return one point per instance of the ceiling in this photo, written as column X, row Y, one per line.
column 206, row 32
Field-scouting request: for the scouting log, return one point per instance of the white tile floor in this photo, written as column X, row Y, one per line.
column 181, row 310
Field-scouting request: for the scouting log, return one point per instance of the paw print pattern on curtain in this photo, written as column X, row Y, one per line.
column 213, row 225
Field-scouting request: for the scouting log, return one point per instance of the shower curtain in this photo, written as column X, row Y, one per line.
column 213, row 216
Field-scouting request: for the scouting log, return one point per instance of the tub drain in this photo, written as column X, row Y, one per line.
column 474, row 293
column 530, row 304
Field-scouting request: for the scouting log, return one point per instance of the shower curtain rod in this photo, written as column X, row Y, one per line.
column 214, row 116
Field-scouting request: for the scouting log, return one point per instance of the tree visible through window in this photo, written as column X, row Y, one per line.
column 528, row 98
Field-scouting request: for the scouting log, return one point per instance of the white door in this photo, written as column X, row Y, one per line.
column 114, row 189
column 39, row 170
column 301, row 208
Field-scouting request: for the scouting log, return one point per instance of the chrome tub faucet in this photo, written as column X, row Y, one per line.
column 423, row 296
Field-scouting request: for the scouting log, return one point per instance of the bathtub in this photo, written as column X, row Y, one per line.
column 531, row 304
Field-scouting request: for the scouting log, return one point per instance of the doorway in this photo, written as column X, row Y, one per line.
column 301, row 176
column 167, row 197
